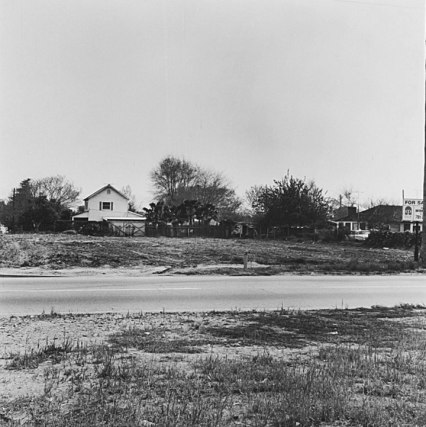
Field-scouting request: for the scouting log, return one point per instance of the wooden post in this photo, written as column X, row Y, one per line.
column 245, row 260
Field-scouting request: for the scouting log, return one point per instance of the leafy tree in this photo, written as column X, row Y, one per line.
column 205, row 213
column 19, row 201
column 188, row 211
column 37, row 204
column 289, row 202
column 158, row 213
column 40, row 216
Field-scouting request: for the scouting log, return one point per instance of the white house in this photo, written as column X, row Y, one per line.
column 111, row 206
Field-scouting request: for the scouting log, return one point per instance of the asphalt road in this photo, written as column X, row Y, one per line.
column 21, row 296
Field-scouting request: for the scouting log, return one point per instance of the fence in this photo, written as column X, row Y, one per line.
column 285, row 233
column 219, row 231
column 226, row 231
column 223, row 231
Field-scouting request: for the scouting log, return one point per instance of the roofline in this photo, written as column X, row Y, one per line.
column 104, row 188
column 122, row 218
column 130, row 215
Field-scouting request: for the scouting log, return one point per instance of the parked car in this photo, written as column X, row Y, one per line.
column 359, row 235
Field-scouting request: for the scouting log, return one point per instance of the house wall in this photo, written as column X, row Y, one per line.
column 120, row 205
column 351, row 225
column 409, row 226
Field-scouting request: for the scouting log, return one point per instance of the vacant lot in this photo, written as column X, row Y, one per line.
column 196, row 255
column 364, row 367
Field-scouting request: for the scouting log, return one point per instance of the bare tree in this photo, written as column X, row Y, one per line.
column 176, row 181
column 170, row 175
column 253, row 196
column 347, row 197
column 57, row 189
column 127, row 191
column 211, row 188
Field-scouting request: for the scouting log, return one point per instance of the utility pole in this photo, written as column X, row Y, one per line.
column 423, row 247
column 13, row 210
column 416, row 243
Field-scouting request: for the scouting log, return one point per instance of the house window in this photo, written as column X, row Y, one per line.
column 108, row 191
column 105, row 206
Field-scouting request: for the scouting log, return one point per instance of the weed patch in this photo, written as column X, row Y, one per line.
column 155, row 341
column 344, row 367
column 298, row 329
column 52, row 351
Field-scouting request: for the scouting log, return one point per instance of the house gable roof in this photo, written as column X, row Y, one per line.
column 106, row 187
column 383, row 213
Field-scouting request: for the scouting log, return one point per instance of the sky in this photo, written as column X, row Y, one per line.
column 102, row 90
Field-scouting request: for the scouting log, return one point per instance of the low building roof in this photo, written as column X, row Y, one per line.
column 345, row 213
column 133, row 217
column 129, row 216
column 118, row 218
column 82, row 215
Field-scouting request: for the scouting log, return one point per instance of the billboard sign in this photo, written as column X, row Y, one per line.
column 412, row 210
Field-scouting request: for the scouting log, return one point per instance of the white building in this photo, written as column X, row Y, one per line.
column 111, row 206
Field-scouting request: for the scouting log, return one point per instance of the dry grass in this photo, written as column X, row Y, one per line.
column 317, row 368
column 190, row 256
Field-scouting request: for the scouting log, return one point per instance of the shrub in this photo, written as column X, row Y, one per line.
column 380, row 239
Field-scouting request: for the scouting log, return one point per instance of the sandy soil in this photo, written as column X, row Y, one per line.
column 23, row 334
column 301, row 334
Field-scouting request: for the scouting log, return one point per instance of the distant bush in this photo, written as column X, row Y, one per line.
column 327, row 235
column 380, row 239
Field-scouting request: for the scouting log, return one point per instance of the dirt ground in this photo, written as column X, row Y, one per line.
column 75, row 254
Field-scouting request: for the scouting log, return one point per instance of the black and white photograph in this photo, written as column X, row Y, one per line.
column 211, row 213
